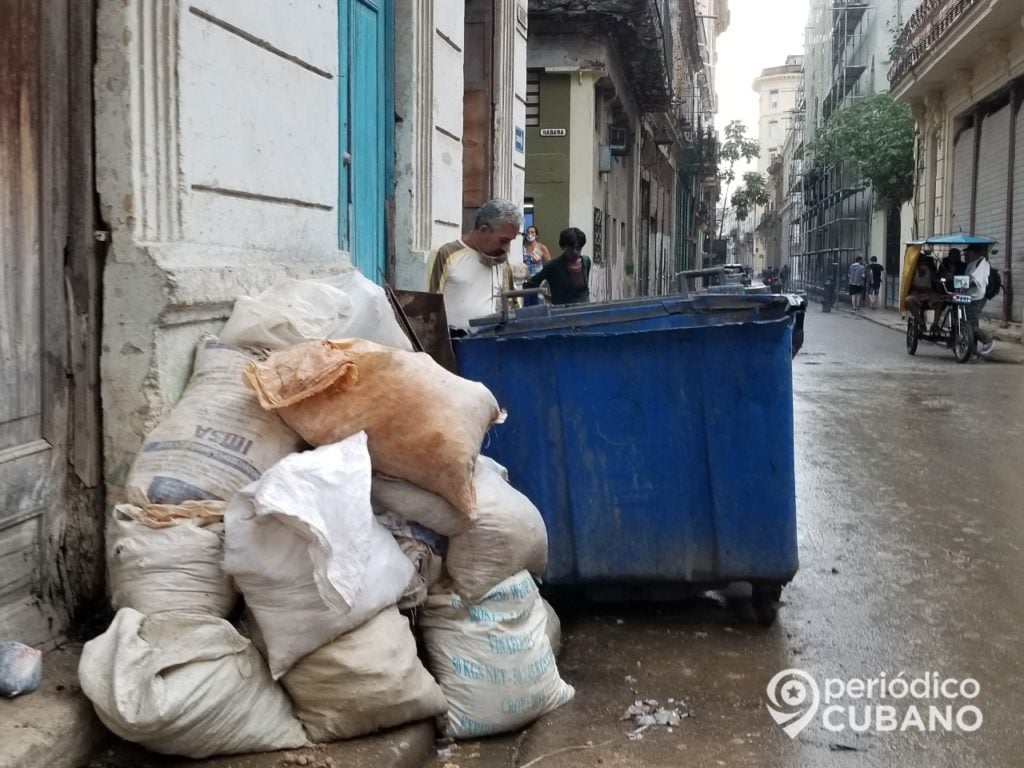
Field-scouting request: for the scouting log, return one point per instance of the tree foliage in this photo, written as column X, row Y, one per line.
column 874, row 139
column 735, row 147
column 752, row 194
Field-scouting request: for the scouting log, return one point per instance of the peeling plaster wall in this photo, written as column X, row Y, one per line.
column 216, row 159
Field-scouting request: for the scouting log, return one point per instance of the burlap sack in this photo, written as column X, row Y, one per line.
column 424, row 424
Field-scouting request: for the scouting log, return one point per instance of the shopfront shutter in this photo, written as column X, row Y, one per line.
column 1018, row 222
column 963, row 166
column 993, row 159
column 990, row 213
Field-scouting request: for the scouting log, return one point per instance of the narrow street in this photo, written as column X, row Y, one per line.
column 910, row 547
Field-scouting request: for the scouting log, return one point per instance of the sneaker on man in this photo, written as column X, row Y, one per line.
column 986, row 347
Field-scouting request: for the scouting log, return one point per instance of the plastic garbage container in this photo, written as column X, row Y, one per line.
column 655, row 436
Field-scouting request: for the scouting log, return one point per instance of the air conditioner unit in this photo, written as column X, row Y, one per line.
column 618, row 140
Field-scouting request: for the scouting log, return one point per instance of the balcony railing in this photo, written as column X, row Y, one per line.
column 642, row 27
column 932, row 20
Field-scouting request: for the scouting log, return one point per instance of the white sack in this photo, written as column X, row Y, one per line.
column 392, row 495
column 168, row 558
column 509, row 536
column 184, row 684
column 215, row 440
column 307, row 553
column 367, row 679
column 493, row 659
column 553, row 629
column 292, row 311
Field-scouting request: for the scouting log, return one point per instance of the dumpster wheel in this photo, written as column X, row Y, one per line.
column 765, row 602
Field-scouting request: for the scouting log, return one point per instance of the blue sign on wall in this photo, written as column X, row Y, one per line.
column 520, row 140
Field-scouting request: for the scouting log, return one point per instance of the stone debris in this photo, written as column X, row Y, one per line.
column 648, row 713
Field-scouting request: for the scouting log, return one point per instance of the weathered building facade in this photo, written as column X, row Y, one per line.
column 847, row 54
column 777, row 90
column 234, row 144
column 960, row 65
column 620, row 100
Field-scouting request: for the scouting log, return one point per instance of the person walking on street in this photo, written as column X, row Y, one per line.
column 875, row 271
column 856, row 283
column 784, row 277
column 471, row 272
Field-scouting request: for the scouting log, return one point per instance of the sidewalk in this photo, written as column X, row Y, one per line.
column 56, row 727
column 1009, row 346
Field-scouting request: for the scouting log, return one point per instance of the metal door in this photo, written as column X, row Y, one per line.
column 366, row 97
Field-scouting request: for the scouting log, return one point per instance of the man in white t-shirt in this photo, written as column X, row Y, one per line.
column 978, row 269
column 472, row 271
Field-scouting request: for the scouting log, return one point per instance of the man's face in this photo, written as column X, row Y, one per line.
column 495, row 241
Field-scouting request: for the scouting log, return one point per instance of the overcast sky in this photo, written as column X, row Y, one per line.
column 761, row 33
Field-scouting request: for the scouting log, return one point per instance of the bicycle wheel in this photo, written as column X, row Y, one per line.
column 911, row 336
column 963, row 342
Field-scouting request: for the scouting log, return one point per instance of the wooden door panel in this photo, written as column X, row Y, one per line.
column 20, row 315
column 477, row 108
column 31, row 114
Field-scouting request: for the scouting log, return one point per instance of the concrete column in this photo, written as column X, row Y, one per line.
column 414, row 99
column 582, row 152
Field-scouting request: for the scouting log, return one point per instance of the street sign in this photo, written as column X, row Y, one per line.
column 553, row 132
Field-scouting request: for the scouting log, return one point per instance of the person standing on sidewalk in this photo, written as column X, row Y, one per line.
column 875, row 271
column 978, row 270
column 856, row 283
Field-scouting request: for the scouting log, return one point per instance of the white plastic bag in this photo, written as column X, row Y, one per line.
column 367, row 679
column 305, row 550
column 215, row 440
column 292, row 311
column 21, row 669
column 168, row 558
column 509, row 535
column 184, row 684
column 493, row 659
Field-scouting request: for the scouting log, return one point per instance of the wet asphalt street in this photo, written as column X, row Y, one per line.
column 910, row 496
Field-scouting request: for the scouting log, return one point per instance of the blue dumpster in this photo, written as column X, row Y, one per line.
column 655, row 436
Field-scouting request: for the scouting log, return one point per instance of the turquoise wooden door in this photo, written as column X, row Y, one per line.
column 366, row 99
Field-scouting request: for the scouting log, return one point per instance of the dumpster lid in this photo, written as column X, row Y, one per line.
column 705, row 309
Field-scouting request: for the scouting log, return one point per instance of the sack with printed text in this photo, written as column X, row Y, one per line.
column 493, row 659
column 215, row 440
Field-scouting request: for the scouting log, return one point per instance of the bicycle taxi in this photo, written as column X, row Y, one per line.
column 947, row 297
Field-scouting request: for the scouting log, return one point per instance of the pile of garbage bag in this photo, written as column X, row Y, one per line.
column 312, row 512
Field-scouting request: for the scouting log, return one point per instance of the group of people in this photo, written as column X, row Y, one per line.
column 932, row 286
column 865, row 279
column 473, row 271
